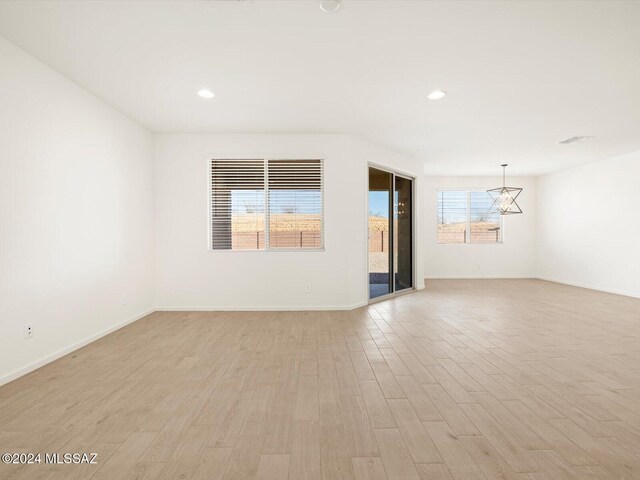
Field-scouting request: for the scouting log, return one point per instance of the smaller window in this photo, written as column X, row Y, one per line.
column 266, row 204
column 464, row 217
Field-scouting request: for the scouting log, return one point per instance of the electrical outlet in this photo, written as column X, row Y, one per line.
column 307, row 288
column 28, row 330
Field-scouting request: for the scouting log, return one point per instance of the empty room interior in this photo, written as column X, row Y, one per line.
column 320, row 239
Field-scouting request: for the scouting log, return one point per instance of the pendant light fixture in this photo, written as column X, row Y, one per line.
column 504, row 198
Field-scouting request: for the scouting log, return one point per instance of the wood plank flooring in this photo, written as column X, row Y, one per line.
column 469, row 379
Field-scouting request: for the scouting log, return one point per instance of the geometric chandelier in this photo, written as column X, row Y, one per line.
column 504, row 198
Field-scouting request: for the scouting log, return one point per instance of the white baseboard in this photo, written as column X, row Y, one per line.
column 477, row 277
column 536, row 277
column 592, row 287
column 66, row 350
column 270, row 308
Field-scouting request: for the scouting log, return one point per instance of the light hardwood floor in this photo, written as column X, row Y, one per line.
column 482, row 379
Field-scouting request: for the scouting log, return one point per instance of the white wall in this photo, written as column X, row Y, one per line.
column 76, row 215
column 514, row 258
column 589, row 226
column 189, row 276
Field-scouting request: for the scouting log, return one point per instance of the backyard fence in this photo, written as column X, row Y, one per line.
column 378, row 240
column 477, row 236
column 290, row 239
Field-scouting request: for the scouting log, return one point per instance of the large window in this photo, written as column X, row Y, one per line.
column 266, row 204
column 463, row 217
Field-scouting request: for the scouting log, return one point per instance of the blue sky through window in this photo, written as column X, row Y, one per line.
column 379, row 204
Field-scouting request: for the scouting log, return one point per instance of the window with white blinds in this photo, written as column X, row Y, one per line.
column 237, row 205
column 463, row 217
column 267, row 204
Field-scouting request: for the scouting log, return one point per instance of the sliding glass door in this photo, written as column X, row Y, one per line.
column 380, row 188
column 390, row 233
column 403, row 233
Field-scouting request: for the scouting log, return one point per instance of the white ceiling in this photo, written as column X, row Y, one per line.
column 521, row 76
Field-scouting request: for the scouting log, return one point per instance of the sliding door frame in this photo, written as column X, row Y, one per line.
column 394, row 173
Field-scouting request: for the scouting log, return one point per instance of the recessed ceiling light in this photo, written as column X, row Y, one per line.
column 204, row 93
column 437, row 95
column 330, row 6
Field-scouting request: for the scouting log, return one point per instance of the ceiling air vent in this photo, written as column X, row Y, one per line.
column 575, row 139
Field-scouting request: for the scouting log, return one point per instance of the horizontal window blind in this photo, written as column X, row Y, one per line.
column 484, row 226
column 452, row 217
column 267, row 204
column 295, row 203
column 463, row 217
column 237, row 205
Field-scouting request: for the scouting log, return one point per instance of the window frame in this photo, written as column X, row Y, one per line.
column 265, row 159
column 468, row 192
